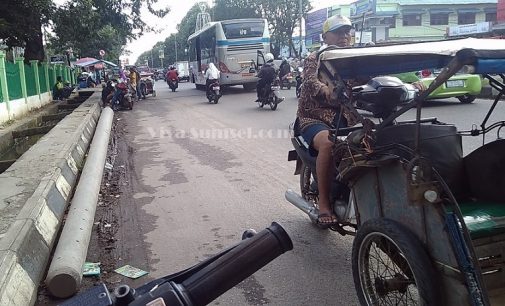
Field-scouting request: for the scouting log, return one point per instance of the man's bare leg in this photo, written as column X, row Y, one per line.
column 324, row 170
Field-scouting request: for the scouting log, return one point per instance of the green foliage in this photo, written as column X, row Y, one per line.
column 184, row 30
column 21, row 25
column 87, row 26
column 283, row 17
column 235, row 9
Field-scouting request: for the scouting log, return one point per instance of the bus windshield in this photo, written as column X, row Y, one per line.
column 243, row 30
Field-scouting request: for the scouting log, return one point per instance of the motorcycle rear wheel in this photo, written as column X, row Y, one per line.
column 390, row 265
column 273, row 106
column 130, row 103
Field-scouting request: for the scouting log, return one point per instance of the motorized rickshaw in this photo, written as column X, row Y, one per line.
column 428, row 220
column 147, row 84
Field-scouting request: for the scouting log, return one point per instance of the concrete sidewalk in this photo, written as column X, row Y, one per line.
column 34, row 193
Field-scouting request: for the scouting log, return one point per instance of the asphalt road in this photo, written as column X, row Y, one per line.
column 205, row 172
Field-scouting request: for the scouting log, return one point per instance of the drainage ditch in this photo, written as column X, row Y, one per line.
column 16, row 142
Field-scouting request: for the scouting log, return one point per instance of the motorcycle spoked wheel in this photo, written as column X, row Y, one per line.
column 306, row 182
column 391, row 266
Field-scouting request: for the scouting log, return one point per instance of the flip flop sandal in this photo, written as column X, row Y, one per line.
column 325, row 225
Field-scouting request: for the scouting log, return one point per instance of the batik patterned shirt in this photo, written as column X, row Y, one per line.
column 312, row 105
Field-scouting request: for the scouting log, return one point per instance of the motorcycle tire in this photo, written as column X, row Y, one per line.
column 273, row 105
column 216, row 100
column 129, row 103
column 405, row 264
column 289, row 87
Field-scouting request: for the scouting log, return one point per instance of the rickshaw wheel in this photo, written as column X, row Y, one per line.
column 391, row 266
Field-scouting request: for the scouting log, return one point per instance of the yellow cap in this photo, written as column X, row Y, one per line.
column 335, row 22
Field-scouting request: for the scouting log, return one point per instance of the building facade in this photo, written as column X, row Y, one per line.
column 414, row 20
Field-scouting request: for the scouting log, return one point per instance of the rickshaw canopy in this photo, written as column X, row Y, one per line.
column 391, row 59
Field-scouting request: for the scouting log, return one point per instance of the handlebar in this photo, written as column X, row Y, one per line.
column 202, row 283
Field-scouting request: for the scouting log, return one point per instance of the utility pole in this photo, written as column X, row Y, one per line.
column 300, row 37
column 175, row 47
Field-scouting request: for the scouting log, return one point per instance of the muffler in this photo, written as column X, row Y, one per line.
column 305, row 206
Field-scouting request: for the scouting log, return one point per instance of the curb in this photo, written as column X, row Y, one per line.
column 38, row 189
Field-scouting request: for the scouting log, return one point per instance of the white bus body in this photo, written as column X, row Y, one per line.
column 232, row 46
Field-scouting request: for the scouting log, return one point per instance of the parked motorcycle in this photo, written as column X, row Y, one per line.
column 124, row 99
column 271, row 95
column 201, row 284
column 173, row 84
column 214, row 92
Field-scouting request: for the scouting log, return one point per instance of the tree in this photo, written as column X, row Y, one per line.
column 282, row 16
column 235, row 9
column 21, row 25
column 179, row 39
column 88, row 26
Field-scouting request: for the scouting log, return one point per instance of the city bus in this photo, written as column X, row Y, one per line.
column 232, row 45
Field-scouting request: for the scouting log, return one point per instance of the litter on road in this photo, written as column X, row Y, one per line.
column 91, row 269
column 130, row 271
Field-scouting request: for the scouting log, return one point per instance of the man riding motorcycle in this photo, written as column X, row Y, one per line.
column 284, row 68
column 211, row 75
column 266, row 76
column 318, row 113
column 173, row 76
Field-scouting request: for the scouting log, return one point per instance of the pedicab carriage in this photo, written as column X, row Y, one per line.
column 147, row 84
column 429, row 221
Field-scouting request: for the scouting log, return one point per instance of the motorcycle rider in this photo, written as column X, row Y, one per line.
column 318, row 113
column 212, row 74
column 316, row 118
column 266, row 76
column 284, row 68
column 173, row 74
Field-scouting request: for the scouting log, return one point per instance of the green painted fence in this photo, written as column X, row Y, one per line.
column 42, row 79
column 21, row 80
column 13, row 81
column 31, row 83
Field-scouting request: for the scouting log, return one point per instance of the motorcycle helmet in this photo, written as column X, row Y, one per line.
column 269, row 57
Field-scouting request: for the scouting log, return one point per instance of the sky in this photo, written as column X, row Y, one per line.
column 177, row 11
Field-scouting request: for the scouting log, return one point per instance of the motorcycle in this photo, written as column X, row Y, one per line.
column 271, row 95
column 214, row 92
column 403, row 188
column 286, row 80
column 173, row 84
column 299, row 81
column 124, row 99
column 204, row 282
